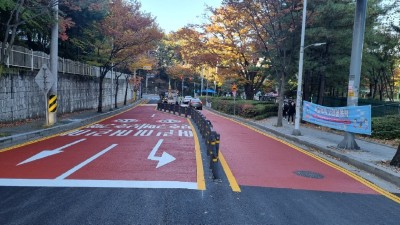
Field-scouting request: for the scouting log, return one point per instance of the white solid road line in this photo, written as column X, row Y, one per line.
column 84, row 163
column 97, row 183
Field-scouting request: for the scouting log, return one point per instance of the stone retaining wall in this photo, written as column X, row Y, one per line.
column 21, row 98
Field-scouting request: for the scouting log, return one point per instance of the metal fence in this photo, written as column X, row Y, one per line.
column 378, row 108
column 26, row 58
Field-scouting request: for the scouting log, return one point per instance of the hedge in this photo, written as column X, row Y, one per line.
column 248, row 109
column 386, row 128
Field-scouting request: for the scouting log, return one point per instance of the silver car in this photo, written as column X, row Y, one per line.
column 196, row 103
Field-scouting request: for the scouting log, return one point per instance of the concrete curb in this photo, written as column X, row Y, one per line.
column 365, row 166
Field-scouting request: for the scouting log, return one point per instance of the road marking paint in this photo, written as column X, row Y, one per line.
column 165, row 157
column 63, row 133
column 201, row 184
column 232, row 180
column 326, row 162
column 153, row 115
column 46, row 153
column 84, row 163
column 98, row 183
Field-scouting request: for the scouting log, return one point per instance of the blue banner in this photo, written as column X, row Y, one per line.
column 354, row 119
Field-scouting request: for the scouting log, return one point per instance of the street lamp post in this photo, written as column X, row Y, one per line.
column 206, row 91
column 296, row 130
column 201, row 86
column 182, row 87
column 215, row 87
column 194, row 89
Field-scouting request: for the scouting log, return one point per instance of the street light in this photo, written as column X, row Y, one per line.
column 296, row 130
column 215, row 87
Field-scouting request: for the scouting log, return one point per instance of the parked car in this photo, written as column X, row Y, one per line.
column 186, row 99
column 196, row 103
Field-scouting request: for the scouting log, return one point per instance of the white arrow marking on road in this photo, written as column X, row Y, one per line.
column 46, row 153
column 165, row 157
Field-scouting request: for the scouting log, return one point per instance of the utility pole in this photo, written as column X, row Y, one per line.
column 202, row 84
column 182, row 86
column 355, row 68
column 54, row 63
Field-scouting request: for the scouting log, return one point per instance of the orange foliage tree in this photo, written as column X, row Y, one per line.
column 233, row 40
column 127, row 32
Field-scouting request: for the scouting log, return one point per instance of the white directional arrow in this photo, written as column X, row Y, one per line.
column 46, row 153
column 165, row 157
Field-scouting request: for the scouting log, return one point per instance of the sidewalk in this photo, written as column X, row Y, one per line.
column 368, row 159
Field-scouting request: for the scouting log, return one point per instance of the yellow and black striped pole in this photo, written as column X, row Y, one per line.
column 52, row 103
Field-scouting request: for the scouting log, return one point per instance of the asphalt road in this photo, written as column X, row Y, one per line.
column 115, row 176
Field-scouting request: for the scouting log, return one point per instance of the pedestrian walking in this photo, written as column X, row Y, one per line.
column 285, row 109
column 291, row 112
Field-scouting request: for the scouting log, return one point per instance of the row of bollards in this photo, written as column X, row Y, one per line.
column 174, row 108
column 211, row 137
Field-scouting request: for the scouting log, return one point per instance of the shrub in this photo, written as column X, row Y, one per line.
column 247, row 110
column 386, row 127
column 244, row 108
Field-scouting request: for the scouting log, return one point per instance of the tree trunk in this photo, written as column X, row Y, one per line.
column 375, row 88
column 306, row 87
column 126, row 89
column 100, row 103
column 321, row 89
column 371, row 86
column 396, row 159
column 380, row 90
column 116, row 92
column 248, row 89
column 281, row 98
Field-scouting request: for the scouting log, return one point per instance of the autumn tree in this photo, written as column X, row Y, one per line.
column 82, row 37
column 126, row 32
column 177, row 56
column 230, row 37
column 140, row 62
column 276, row 26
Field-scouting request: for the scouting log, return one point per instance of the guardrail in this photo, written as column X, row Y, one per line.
column 211, row 137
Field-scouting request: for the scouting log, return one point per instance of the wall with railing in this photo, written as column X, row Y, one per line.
column 77, row 88
column 26, row 58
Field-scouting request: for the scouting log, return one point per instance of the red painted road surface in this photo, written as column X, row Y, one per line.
column 126, row 147
column 257, row 160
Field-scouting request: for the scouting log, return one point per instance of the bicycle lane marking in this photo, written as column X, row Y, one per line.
column 140, row 138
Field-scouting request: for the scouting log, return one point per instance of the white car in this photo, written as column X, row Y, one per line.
column 186, row 100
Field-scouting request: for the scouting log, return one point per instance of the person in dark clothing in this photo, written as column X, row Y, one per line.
column 291, row 112
column 285, row 109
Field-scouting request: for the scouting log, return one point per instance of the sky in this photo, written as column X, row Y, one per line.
column 174, row 14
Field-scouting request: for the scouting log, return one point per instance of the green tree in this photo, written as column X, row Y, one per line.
column 14, row 14
column 276, row 25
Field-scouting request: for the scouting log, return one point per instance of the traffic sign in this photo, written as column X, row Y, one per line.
column 45, row 79
column 234, row 88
